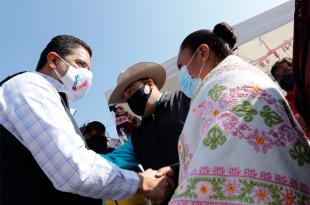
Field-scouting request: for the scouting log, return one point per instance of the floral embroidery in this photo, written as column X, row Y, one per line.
column 204, row 170
column 288, row 197
column 216, row 92
column 203, row 190
column 214, row 138
column 300, row 153
column 250, row 188
column 261, row 195
column 183, row 186
column 245, row 110
column 304, row 187
column 270, row 117
column 294, row 184
column 265, row 175
column 238, row 190
column 185, row 155
column 241, row 131
column 218, row 171
column 229, row 121
column 280, row 179
column 231, row 187
column 260, row 140
column 203, row 109
column 287, row 133
column 267, row 134
column 257, row 89
column 234, row 171
column 208, row 116
column 250, row 173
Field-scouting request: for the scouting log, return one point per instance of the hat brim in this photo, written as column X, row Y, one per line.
column 144, row 70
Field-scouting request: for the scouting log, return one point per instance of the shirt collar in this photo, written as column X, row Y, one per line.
column 57, row 85
column 157, row 102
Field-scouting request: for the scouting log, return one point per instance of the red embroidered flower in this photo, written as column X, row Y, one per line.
column 288, row 197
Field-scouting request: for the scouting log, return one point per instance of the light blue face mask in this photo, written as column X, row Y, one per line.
column 187, row 84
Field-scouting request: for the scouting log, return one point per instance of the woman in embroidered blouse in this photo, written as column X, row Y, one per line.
column 240, row 143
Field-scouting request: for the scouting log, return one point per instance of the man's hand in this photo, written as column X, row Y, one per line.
column 165, row 171
column 155, row 186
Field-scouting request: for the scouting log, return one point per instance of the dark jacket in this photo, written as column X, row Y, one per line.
column 155, row 141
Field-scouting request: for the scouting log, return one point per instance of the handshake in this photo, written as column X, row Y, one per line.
column 156, row 185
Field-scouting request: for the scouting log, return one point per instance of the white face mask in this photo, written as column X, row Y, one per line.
column 76, row 80
column 188, row 84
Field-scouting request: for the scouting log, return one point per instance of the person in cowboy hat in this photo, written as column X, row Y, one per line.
column 154, row 143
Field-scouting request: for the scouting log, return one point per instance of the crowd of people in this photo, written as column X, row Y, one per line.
column 227, row 136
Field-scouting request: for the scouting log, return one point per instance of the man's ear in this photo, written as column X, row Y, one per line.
column 151, row 86
column 150, row 83
column 52, row 59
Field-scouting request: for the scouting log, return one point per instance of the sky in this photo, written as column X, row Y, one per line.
column 120, row 33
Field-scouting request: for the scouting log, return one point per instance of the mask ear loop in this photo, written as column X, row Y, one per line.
column 201, row 69
column 191, row 58
column 64, row 61
column 56, row 72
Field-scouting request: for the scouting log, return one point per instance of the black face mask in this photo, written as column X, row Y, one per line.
column 97, row 143
column 287, row 82
column 137, row 102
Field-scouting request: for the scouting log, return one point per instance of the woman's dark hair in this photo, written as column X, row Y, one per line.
column 62, row 45
column 221, row 40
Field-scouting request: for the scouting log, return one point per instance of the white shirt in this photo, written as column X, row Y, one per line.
column 31, row 109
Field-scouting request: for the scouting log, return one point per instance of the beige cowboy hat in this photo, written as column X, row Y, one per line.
column 136, row 72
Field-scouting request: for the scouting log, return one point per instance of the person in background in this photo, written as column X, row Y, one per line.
column 153, row 144
column 240, row 143
column 94, row 134
column 282, row 71
column 44, row 158
column 123, row 122
column 136, row 121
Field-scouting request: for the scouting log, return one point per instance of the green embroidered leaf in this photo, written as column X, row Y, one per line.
column 270, row 117
column 301, row 199
column 214, row 138
column 221, row 140
column 216, row 92
column 275, row 194
column 245, row 110
column 300, row 153
column 246, row 190
column 217, row 184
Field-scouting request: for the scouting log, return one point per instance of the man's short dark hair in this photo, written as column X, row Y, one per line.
column 277, row 64
column 91, row 125
column 62, row 45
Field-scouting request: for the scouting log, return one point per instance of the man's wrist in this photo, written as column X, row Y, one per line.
column 141, row 189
